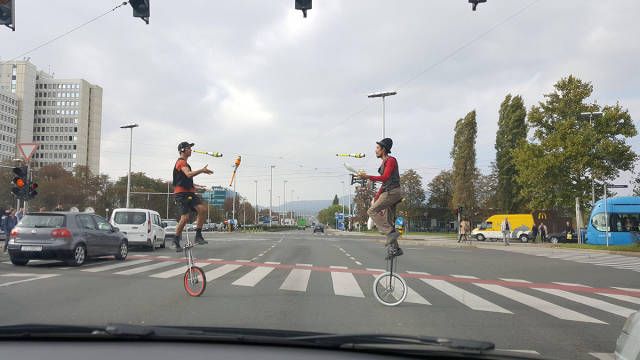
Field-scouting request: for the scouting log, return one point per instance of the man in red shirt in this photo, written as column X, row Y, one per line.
column 383, row 209
column 185, row 193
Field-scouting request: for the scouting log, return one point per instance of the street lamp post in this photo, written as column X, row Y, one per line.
column 271, row 194
column 256, row 207
column 130, row 127
column 593, row 184
column 383, row 95
column 284, row 198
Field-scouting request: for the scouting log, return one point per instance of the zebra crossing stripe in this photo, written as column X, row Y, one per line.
column 463, row 296
column 626, row 298
column 412, row 296
column 220, row 271
column 345, row 284
column 177, row 271
column 594, row 303
column 540, row 304
column 254, row 276
column 116, row 266
column 297, row 280
column 150, row 267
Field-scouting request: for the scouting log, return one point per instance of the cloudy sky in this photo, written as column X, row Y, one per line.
column 254, row 78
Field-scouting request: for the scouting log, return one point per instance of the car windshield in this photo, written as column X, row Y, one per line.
column 42, row 221
column 130, row 217
column 463, row 169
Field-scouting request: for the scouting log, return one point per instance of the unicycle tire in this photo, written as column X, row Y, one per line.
column 390, row 289
column 195, row 282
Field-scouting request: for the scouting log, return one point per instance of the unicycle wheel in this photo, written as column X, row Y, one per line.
column 195, row 281
column 390, row 289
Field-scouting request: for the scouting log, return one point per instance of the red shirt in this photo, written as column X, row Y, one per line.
column 389, row 166
column 181, row 163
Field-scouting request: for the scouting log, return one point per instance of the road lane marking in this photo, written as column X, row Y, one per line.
column 177, row 271
column 254, row 276
column 37, row 277
column 117, row 266
column 594, row 303
column 463, row 296
column 464, row 276
column 515, row 280
column 359, row 263
column 540, row 304
column 345, row 284
column 297, row 280
column 569, row 284
column 626, row 298
column 243, row 260
column 150, row 267
column 220, row 271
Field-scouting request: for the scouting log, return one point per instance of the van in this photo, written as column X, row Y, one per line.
column 141, row 226
column 521, row 227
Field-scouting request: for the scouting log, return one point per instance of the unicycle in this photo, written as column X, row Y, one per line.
column 389, row 288
column 195, row 282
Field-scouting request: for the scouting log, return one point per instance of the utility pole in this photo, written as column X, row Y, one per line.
column 256, row 207
column 271, row 195
column 130, row 127
column 284, row 198
column 383, row 95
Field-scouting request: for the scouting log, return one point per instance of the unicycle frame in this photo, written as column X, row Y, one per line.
column 191, row 274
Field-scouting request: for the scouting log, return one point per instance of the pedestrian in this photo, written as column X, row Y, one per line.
column 506, row 230
column 42, row 209
column 8, row 223
column 383, row 209
column 185, row 195
column 534, row 233
column 543, row 231
column 568, row 231
column 59, row 208
column 465, row 228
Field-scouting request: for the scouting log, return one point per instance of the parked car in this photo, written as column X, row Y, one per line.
column 69, row 236
column 142, row 226
column 318, row 228
column 169, row 228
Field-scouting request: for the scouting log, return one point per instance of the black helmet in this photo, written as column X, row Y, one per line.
column 183, row 145
column 386, row 144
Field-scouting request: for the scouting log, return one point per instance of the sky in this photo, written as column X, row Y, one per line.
column 256, row 79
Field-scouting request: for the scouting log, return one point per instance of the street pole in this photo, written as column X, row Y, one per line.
column 256, row 207
column 271, row 195
column 130, row 127
column 284, row 198
column 606, row 215
column 292, row 200
column 593, row 183
column 383, row 95
column 167, row 200
column 233, row 213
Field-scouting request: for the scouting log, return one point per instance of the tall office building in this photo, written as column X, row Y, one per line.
column 63, row 116
column 8, row 125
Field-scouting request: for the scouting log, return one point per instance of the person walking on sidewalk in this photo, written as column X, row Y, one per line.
column 383, row 209
column 465, row 229
column 543, row 231
column 9, row 221
column 506, row 231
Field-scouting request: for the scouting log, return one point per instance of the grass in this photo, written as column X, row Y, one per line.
column 631, row 248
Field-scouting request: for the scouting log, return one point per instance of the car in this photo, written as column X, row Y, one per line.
column 628, row 346
column 69, row 236
column 318, row 228
column 169, row 226
column 142, row 226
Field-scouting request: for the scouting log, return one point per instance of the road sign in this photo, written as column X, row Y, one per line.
column 617, row 186
column 27, row 150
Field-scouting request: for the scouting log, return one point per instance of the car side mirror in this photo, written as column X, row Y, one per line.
column 163, row 224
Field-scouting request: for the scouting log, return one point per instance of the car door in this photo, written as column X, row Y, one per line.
column 109, row 240
column 88, row 229
column 158, row 228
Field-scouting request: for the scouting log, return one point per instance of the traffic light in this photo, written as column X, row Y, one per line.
column 474, row 3
column 7, row 13
column 32, row 191
column 141, row 9
column 303, row 5
column 20, row 182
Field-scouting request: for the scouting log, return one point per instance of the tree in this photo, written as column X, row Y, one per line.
column 441, row 190
column 362, row 201
column 567, row 151
column 512, row 131
column 327, row 216
column 336, row 201
column 636, row 185
column 413, row 194
column 487, row 188
column 464, row 161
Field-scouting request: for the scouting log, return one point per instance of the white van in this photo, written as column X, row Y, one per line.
column 142, row 226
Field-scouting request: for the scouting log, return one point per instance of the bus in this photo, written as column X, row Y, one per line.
column 624, row 221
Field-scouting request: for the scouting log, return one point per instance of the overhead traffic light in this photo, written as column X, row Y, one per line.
column 303, row 5
column 20, row 182
column 141, row 9
column 7, row 13
column 31, row 193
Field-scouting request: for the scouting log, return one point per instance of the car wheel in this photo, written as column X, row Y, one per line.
column 524, row 238
column 480, row 237
column 19, row 261
column 123, row 250
column 164, row 243
column 554, row 240
column 78, row 255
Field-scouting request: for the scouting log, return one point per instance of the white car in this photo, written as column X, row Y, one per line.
column 142, row 226
column 628, row 344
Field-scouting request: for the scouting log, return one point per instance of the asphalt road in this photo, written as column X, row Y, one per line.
column 296, row 280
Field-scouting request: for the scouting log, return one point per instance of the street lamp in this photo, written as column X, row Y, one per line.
column 383, row 95
column 590, row 114
column 256, row 208
column 130, row 127
column 271, row 194
column 284, row 198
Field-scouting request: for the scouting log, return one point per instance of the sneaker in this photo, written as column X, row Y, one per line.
column 393, row 252
column 200, row 240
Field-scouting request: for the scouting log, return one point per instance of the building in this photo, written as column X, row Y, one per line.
column 217, row 196
column 8, row 125
column 63, row 116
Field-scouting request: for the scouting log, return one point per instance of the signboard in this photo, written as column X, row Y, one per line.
column 27, row 150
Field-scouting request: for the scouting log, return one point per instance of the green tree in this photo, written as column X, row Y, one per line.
column 327, row 216
column 567, row 151
column 636, row 185
column 441, row 190
column 512, row 131
column 487, row 188
column 413, row 194
column 336, row 201
column 464, row 161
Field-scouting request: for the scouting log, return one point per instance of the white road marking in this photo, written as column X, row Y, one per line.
column 412, row 296
column 595, row 303
column 254, row 276
column 603, row 356
column 117, row 265
column 140, row 269
column 297, row 280
column 627, row 298
column 359, row 263
column 177, row 271
column 464, row 276
column 37, row 277
column 345, row 284
column 220, row 271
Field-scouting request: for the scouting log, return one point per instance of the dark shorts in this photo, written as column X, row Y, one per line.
column 187, row 202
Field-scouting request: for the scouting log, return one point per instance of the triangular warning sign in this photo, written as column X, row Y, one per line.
column 27, row 150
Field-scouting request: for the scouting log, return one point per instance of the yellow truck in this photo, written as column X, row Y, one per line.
column 521, row 226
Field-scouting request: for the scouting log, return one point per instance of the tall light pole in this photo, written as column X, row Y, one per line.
column 292, row 200
column 383, row 95
column 271, row 194
column 593, row 184
column 130, row 127
column 284, row 198
column 256, row 208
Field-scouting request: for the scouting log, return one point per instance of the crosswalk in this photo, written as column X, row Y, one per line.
column 616, row 261
column 424, row 289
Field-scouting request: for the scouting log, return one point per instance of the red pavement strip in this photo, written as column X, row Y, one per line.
column 516, row 284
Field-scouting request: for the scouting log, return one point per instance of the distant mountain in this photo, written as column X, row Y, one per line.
column 307, row 207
